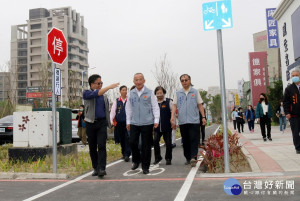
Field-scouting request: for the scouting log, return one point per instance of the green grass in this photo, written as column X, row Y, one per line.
column 71, row 164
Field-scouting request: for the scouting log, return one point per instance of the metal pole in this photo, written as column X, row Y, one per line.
column 223, row 99
column 54, row 152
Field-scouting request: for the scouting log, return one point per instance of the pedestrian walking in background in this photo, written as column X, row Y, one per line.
column 81, row 125
column 118, row 115
column 142, row 114
column 202, row 127
column 189, row 103
column 240, row 120
column 97, row 120
column 264, row 116
column 164, row 127
column 250, row 117
column 291, row 105
column 281, row 116
column 233, row 117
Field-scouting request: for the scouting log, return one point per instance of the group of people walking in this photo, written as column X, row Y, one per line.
column 288, row 109
column 137, row 117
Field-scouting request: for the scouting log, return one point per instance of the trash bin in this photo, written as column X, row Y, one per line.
column 65, row 122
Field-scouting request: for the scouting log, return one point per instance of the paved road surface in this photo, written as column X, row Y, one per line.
column 177, row 181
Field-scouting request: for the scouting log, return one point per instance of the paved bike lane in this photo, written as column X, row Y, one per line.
column 121, row 183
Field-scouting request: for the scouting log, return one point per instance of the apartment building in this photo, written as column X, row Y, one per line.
column 30, row 60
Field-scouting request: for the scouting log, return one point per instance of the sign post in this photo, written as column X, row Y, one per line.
column 216, row 16
column 58, row 51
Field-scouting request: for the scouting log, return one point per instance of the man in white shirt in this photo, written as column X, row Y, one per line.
column 142, row 114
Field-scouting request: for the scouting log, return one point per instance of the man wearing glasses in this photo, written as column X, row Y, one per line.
column 97, row 120
column 189, row 103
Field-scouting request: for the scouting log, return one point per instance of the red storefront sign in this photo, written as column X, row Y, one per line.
column 259, row 77
column 38, row 94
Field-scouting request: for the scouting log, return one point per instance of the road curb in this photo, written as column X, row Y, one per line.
column 33, row 176
column 240, row 174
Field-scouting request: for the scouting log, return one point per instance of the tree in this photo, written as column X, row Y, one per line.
column 166, row 78
column 275, row 95
column 215, row 108
column 45, row 84
column 8, row 106
column 204, row 97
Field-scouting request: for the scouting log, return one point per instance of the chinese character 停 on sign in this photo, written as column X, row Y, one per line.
column 57, row 45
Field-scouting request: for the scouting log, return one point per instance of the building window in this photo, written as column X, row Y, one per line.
column 36, row 26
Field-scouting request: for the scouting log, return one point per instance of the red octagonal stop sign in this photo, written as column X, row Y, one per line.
column 57, row 46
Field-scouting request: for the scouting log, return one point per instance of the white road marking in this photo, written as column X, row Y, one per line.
column 67, row 183
column 88, row 174
column 189, row 179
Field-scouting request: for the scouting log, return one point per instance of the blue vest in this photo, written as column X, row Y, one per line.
column 141, row 108
column 188, row 112
column 165, row 117
column 120, row 111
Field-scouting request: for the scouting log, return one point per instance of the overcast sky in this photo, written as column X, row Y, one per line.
column 129, row 36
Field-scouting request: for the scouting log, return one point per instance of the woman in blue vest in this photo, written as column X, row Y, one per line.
column 264, row 116
column 250, row 116
column 118, row 114
column 164, row 128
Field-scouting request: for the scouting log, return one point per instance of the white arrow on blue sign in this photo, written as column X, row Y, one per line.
column 217, row 15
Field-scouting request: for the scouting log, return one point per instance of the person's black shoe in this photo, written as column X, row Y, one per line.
column 126, row 159
column 135, row 166
column 173, row 145
column 297, row 151
column 145, row 171
column 101, row 173
column 269, row 138
column 157, row 161
column 187, row 162
column 168, row 162
column 95, row 173
column 265, row 139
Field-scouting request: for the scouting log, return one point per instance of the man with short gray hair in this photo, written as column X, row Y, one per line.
column 142, row 114
column 291, row 105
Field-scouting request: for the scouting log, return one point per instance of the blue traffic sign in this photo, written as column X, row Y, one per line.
column 217, row 15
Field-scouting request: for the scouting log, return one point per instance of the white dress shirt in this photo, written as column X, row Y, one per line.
column 114, row 107
column 154, row 104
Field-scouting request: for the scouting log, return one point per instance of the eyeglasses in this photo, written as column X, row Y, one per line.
column 184, row 80
column 98, row 83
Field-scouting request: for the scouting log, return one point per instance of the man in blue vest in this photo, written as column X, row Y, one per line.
column 97, row 119
column 189, row 103
column 118, row 114
column 142, row 114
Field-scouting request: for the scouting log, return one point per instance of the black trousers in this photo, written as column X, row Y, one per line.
column 295, row 126
column 147, row 141
column 122, row 133
column 202, row 128
column 190, row 139
column 234, row 124
column 168, row 141
column 240, row 125
column 97, row 136
column 265, row 121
